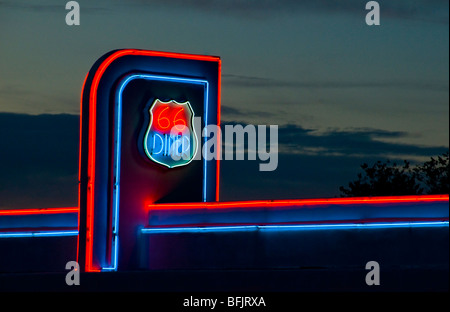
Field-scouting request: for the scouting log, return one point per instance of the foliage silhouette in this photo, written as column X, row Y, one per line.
column 390, row 179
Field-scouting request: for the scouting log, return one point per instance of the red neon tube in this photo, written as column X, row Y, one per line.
column 36, row 211
column 304, row 202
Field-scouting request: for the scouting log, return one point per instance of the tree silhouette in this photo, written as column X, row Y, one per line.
column 433, row 175
column 390, row 179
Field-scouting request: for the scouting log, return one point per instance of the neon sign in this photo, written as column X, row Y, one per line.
column 122, row 126
column 170, row 139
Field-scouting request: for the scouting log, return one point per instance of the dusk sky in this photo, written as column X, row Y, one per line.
column 341, row 92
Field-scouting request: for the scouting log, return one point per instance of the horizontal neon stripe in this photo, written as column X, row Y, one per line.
column 34, row 211
column 275, row 227
column 303, row 202
column 38, row 234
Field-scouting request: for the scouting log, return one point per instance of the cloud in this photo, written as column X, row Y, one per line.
column 18, row 99
column 312, row 164
column 352, row 142
column 227, row 112
column 360, row 142
column 39, row 160
column 297, row 176
column 242, row 81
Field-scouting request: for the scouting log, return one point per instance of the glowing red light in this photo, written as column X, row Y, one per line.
column 169, row 116
column 35, row 211
column 302, row 202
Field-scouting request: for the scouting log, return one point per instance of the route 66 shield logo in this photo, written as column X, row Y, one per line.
column 170, row 139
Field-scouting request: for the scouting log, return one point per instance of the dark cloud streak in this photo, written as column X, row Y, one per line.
column 261, row 82
column 364, row 142
column 228, row 111
column 354, row 142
